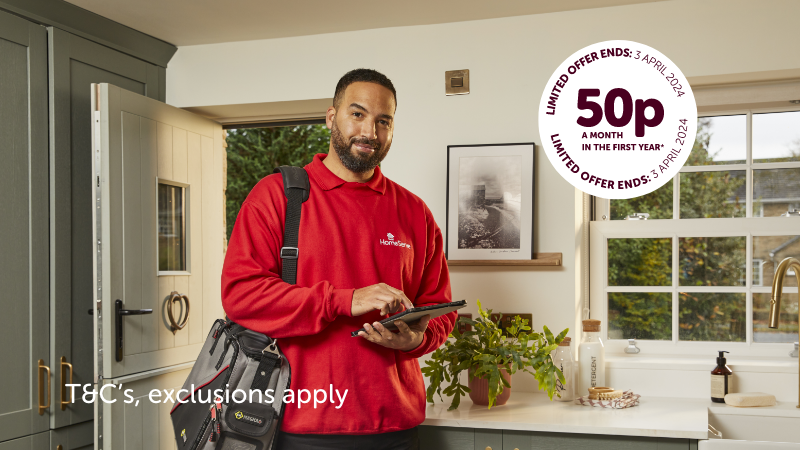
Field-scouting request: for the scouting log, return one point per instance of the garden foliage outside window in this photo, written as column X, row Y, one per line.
column 677, row 277
column 253, row 153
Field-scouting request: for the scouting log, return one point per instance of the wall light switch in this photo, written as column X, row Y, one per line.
column 456, row 82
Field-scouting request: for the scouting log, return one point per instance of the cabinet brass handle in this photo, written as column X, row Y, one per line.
column 65, row 365
column 176, row 297
column 41, row 369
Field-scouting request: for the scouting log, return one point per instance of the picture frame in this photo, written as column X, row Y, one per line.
column 490, row 202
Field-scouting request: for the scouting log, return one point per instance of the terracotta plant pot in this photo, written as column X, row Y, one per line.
column 479, row 390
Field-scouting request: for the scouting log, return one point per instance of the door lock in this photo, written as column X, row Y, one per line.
column 118, row 313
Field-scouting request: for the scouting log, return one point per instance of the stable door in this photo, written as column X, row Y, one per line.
column 158, row 253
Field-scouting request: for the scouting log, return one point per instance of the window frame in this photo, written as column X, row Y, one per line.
column 186, row 229
column 602, row 229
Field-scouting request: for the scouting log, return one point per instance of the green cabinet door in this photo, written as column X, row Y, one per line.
column 533, row 440
column 74, row 437
column 23, row 229
column 40, row 441
column 453, row 438
column 446, row 438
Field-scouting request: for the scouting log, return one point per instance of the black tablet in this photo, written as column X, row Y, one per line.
column 414, row 314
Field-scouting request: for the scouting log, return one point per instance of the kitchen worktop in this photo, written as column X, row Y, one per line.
column 653, row 417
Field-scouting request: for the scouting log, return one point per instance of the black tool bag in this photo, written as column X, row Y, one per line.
column 238, row 364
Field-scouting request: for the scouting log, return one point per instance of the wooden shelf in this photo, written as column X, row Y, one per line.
column 539, row 259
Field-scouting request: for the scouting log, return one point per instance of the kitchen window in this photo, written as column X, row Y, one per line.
column 697, row 274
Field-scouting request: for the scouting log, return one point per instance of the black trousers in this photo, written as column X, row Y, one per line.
column 395, row 440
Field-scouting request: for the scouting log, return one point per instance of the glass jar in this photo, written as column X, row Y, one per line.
column 562, row 358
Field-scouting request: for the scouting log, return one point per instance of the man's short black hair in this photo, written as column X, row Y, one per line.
column 363, row 75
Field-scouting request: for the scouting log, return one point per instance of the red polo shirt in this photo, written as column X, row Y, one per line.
column 350, row 237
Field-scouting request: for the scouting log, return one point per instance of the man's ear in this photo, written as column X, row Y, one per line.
column 329, row 116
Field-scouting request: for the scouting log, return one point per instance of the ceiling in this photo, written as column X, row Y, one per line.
column 194, row 22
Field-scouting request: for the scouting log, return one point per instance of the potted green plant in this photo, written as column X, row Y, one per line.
column 486, row 352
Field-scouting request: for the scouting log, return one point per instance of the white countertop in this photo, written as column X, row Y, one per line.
column 653, row 417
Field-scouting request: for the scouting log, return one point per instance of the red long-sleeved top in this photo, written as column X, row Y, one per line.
column 350, row 237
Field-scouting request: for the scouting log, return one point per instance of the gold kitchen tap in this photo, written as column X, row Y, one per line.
column 775, row 301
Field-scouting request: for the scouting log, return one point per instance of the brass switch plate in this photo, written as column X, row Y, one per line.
column 456, row 82
column 508, row 320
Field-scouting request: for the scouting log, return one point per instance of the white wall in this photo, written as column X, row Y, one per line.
column 510, row 61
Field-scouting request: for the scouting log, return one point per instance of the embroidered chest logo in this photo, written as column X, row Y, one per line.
column 248, row 418
column 391, row 241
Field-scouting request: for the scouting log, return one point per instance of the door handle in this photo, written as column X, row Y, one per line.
column 176, row 297
column 118, row 313
column 64, row 402
column 41, row 369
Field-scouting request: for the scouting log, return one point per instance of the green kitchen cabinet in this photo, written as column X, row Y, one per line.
column 455, row 438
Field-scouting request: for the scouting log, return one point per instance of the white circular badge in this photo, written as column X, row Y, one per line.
column 617, row 119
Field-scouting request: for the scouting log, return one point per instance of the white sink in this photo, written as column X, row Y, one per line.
column 771, row 427
column 720, row 444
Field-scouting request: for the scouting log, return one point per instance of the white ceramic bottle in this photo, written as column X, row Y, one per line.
column 562, row 358
column 591, row 358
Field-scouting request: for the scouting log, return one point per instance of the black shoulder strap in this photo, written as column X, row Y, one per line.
column 296, row 187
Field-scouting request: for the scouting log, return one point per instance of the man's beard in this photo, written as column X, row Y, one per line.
column 354, row 160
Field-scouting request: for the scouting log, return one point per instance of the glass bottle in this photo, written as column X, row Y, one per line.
column 591, row 358
column 720, row 379
column 562, row 358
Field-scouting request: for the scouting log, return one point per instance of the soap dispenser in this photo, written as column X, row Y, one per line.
column 720, row 379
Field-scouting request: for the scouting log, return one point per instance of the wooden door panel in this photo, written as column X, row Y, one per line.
column 24, row 243
column 195, row 331
column 146, row 425
column 152, row 323
column 143, row 143
column 132, row 203
column 182, row 150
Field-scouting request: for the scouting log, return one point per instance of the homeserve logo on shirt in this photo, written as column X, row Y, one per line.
column 391, row 241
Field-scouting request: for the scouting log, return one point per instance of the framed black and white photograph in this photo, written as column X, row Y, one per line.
column 490, row 202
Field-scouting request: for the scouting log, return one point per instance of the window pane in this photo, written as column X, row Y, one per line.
column 776, row 137
column 640, row 315
column 768, row 252
column 775, row 191
column 712, row 261
column 720, row 140
column 657, row 203
column 712, row 317
column 713, row 194
column 640, row 262
column 171, row 248
column 786, row 331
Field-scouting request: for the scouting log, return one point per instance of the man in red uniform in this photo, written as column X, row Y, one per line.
column 368, row 248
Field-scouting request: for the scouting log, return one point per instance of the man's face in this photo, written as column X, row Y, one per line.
column 362, row 126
